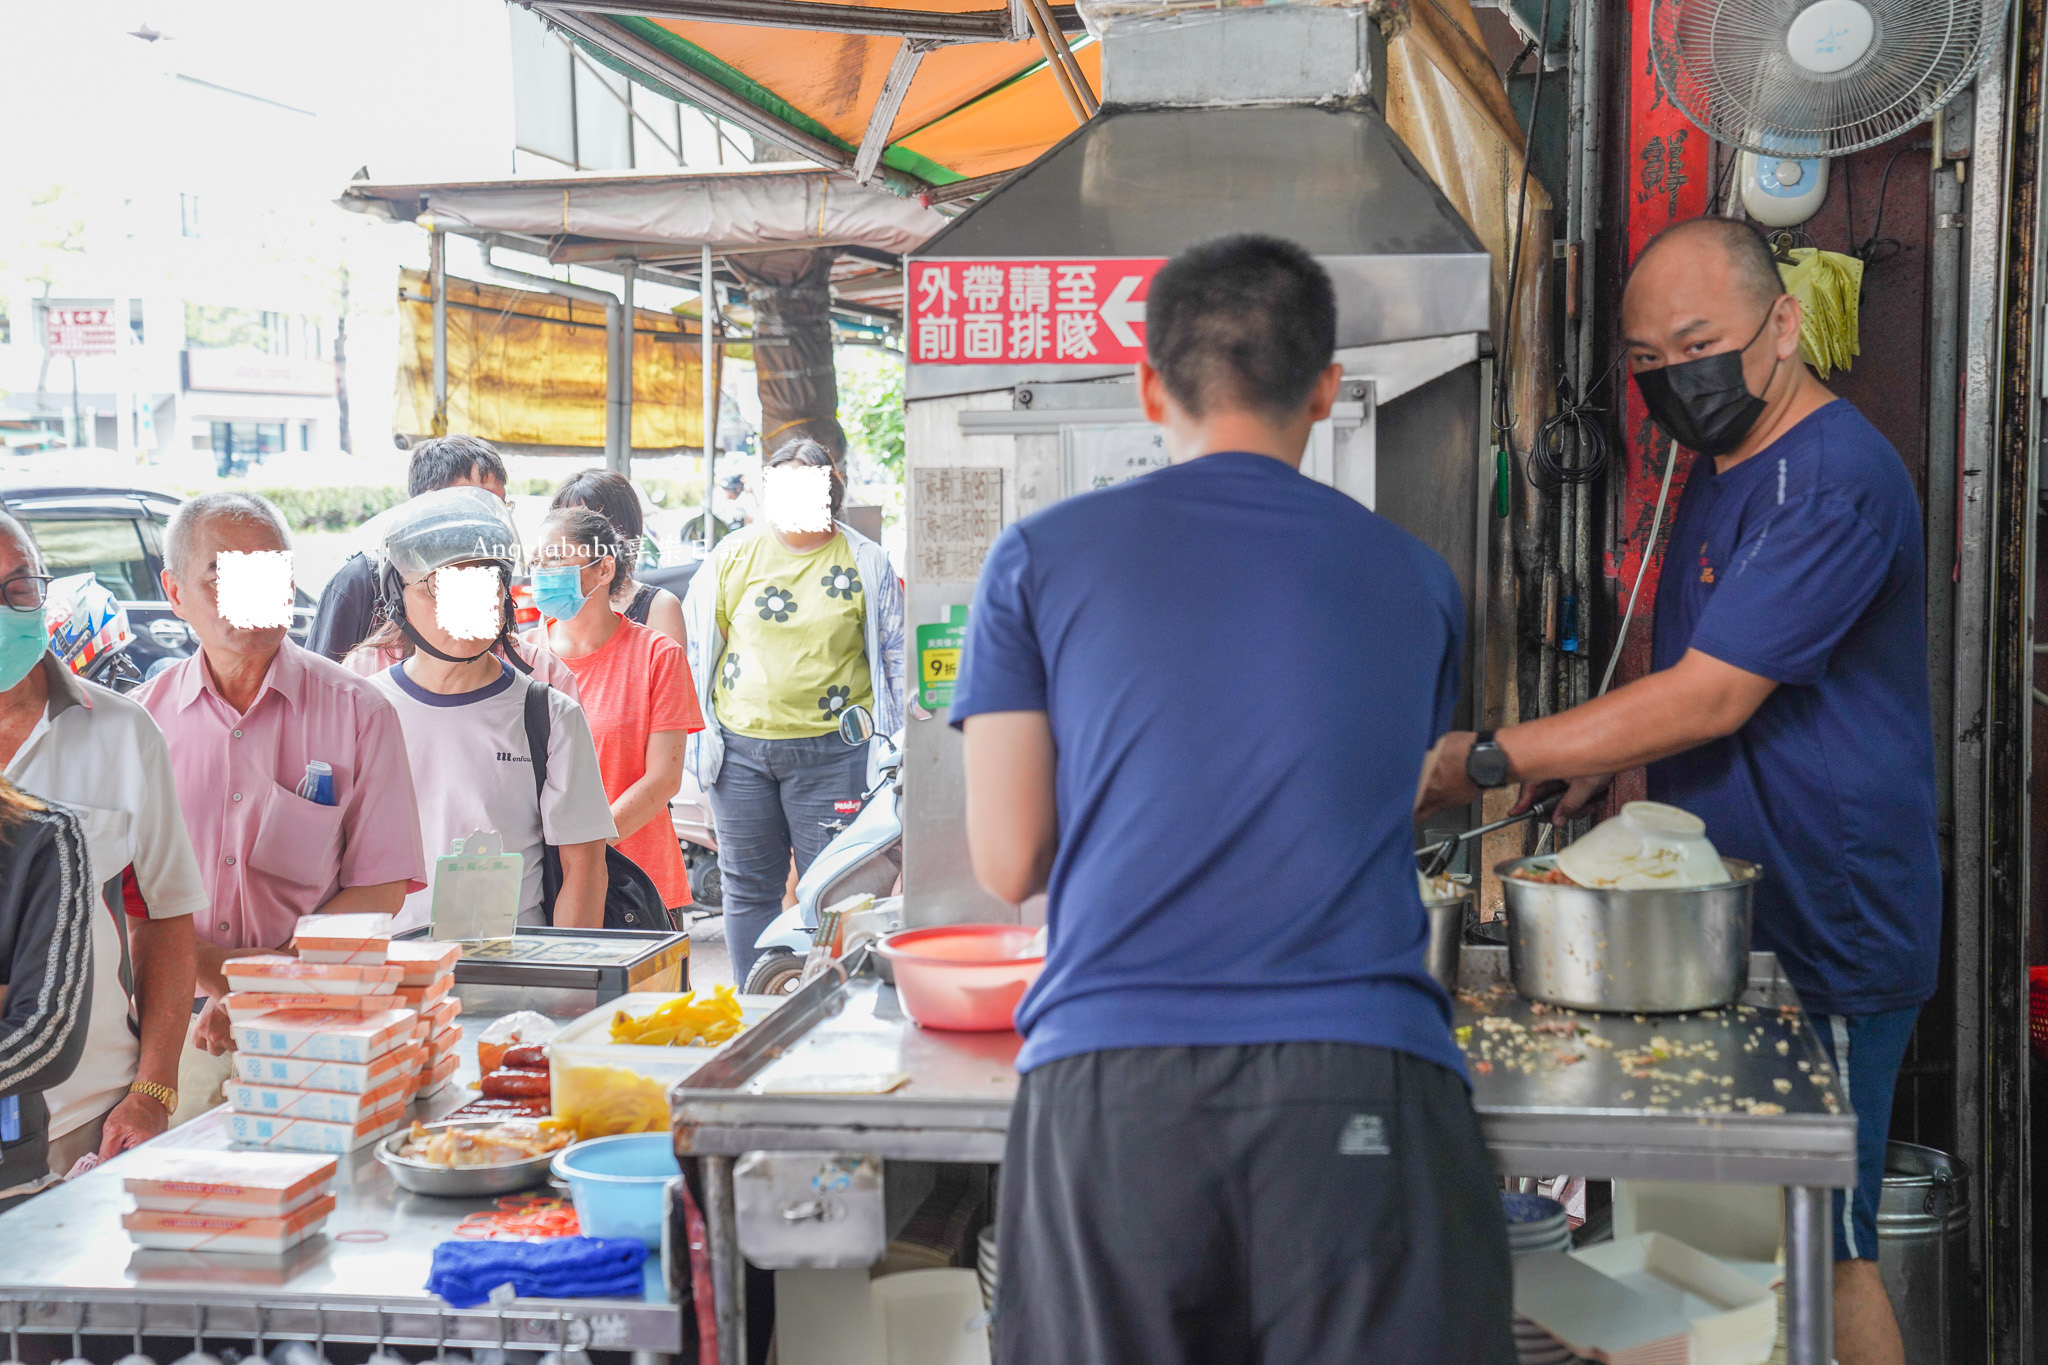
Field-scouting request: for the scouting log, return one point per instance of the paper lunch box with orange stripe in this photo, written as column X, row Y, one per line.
column 243, row 1006
column 347, row 1078
column 161, row 1231
column 423, row 997
column 180, row 1178
column 278, row 973
column 314, row 1135
column 423, row 959
column 325, row 1035
column 325, row 1106
column 343, row 938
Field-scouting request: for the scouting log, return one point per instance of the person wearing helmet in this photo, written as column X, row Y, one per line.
column 447, row 566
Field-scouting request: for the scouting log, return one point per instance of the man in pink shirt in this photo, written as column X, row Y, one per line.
column 244, row 717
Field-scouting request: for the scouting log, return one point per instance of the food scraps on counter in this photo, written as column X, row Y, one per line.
column 1662, row 1073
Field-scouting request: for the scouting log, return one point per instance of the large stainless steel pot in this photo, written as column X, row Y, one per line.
column 1637, row 952
column 1446, row 932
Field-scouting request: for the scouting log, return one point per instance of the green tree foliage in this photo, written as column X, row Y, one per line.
column 871, row 406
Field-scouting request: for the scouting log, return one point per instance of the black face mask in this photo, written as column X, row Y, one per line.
column 1705, row 404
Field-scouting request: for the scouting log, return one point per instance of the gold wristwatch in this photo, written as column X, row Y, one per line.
column 162, row 1094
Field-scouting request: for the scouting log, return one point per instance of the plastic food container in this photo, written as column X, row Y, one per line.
column 602, row 1088
column 967, row 977
column 617, row 1183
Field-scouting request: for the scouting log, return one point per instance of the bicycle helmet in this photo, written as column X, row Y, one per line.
column 85, row 620
column 450, row 526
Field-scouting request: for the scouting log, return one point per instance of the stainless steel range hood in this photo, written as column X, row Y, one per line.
column 1245, row 120
column 1261, row 120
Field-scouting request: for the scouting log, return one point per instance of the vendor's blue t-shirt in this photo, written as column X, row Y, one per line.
column 1803, row 564
column 1243, row 670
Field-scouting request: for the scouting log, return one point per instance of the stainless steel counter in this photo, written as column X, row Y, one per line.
column 1743, row 1094
column 66, row 1262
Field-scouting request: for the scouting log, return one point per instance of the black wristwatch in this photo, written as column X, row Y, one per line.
column 1487, row 763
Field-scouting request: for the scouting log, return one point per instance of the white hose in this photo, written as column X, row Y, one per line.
column 1649, row 547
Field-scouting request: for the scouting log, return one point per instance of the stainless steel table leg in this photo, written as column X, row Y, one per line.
column 1809, row 1275
column 728, row 1272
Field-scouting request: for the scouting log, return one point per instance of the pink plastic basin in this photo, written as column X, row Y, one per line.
column 967, row 977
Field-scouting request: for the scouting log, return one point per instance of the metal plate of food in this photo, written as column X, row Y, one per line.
column 469, row 1158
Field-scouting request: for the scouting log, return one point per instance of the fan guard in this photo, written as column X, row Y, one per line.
column 1729, row 66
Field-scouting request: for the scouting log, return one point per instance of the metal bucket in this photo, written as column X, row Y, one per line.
column 1446, row 931
column 1923, row 1226
column 1638, row 952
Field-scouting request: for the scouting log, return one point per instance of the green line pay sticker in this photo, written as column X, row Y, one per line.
column 938, row 659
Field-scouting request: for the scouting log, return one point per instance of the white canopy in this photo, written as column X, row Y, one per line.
column 736, row 210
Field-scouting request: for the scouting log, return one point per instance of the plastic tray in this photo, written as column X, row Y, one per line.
column 1734, row 1319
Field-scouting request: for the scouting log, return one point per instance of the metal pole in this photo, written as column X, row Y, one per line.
column 707, row 324
column 618, row 455
column 613, row 441
column 728, row 1271
column 1809, row 1275
column 437, row 271
column 1983, row 367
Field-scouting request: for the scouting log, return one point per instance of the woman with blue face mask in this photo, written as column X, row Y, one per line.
column 635, row 684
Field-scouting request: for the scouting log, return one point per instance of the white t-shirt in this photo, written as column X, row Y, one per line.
column 471, row 770
column 100, row 753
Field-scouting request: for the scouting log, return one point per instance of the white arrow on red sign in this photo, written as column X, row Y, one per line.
column 1050, row 311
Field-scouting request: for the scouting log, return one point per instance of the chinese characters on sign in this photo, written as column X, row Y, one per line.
column 1106, row 455
column 955, row 516
column 79, row 332
column 1063, row 312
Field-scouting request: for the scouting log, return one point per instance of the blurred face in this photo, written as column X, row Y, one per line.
column 458, row 609
column 235, row 591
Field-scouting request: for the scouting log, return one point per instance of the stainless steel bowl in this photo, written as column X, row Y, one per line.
column 466, row 1182
column 1636, row 952
column 1446, row 932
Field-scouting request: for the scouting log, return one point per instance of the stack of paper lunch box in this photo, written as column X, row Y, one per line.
column 192, row 1200
column 328, row 1052
column 426, row 985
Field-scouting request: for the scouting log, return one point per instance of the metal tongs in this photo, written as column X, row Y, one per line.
column 1439, row 855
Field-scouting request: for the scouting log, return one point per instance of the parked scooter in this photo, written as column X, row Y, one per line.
column 689, row 812
column 865, row 858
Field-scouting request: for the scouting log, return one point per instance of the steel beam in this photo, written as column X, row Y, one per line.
column 895, row 85
column 437, row 275
column 971, row 26
column 1983, row 361
column 707, row 325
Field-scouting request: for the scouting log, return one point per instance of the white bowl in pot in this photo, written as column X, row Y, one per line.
column 1649, row 846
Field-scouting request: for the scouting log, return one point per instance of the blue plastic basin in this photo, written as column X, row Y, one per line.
column 616, row 1184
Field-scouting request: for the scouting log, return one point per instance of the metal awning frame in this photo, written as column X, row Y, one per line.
column 593, row 24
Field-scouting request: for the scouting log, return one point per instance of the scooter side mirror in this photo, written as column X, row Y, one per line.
column 856, row 726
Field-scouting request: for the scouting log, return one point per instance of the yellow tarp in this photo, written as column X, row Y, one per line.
column 529, row 369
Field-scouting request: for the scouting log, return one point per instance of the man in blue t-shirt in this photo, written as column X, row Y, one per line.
column 1196, row 706
column 1789, row 705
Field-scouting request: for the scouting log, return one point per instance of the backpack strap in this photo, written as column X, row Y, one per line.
column 539, row 731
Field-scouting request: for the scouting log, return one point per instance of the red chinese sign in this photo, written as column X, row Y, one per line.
column 1059, row 311
column 78, row 333
column 1670, row 175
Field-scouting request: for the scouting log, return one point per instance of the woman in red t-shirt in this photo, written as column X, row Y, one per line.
column 635, row 686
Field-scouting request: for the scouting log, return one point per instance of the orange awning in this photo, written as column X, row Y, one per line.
column 971, row 109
